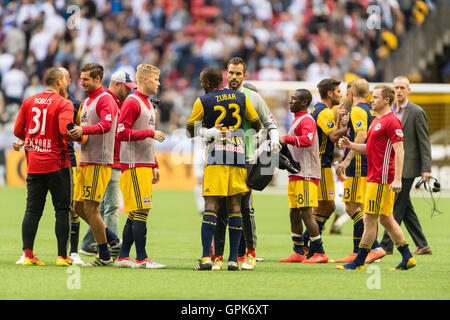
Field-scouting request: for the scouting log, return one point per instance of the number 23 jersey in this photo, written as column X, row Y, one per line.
column 228, row 108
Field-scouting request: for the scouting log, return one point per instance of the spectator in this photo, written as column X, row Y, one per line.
column 13, row 84
column 6, row 60
column 212, row 49
column 15, row 40
column 35, row 87
column 317, row 70
column 184, row 36
column 39, row 44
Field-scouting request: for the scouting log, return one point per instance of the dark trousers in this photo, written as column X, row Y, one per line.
column 38, row 185
column 248, row 226
column 404, row 212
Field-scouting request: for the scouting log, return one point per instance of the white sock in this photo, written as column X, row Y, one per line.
column 199, row 200
column 341, row 220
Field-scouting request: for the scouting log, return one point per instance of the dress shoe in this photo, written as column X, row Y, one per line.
column 419, row 251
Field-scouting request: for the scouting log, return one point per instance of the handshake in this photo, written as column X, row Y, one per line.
column 75, row 132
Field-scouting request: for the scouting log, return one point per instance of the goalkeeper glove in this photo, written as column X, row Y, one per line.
column 211, row 133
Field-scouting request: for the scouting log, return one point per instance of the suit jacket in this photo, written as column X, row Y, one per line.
column 416, row 143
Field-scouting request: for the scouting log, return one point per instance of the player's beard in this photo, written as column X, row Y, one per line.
column 234, row 85
column 63, row 92
column 336, row 101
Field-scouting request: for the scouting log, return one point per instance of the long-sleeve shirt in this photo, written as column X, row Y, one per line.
column 116, row 141
column 130, row 112
column 304, row 132
column 106, row 109
column 304, row 137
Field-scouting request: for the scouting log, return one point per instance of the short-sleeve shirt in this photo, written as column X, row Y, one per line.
column 383, row 133
column 229, row 108
column 326, row 124
column 39, row 123
column 361, row 117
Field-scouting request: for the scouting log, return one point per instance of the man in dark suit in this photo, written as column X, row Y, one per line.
column 417, row 163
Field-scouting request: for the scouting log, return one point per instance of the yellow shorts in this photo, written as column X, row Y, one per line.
column 302, row 193
column 354, row 189
column 223, row 180
column 136, row 188
column 74, row 171
column 91, row 182
column 379, row 199
column 326, row 185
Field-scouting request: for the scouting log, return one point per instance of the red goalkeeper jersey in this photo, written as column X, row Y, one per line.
column 41, row 123
column 383, row 133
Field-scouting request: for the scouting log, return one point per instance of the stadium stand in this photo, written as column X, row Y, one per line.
column 292, row 40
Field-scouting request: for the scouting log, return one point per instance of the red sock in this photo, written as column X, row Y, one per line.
column 251, row 251
column 28, row 253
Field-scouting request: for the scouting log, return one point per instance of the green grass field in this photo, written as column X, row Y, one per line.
column 174, row 239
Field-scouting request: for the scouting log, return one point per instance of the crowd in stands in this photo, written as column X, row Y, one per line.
column 304, row 40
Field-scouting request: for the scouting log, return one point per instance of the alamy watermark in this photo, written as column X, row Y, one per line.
column 73, row 281
column 374, row 17
column 374, row 279
column 74, row 20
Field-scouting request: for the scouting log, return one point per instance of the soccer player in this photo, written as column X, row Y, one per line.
column 354, row 168
column 384, row 149
column 97, row 119
column 417, row 163
column 74, row 219
column 302, row 142
column 119, row 88
column 136, row 131
column 328, row 134
column 41, row 128
column 222, row 111
column 236, row 73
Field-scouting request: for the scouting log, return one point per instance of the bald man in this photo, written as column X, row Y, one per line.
column 74, row 218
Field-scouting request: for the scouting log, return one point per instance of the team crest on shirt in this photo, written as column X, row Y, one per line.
column 331, row 193
column 377, row 127
column 147, row 201
column 358, row 123
column 310, row 136
column 330, row 124
column 152, row 121
column 84, row 118
column 399, row 133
